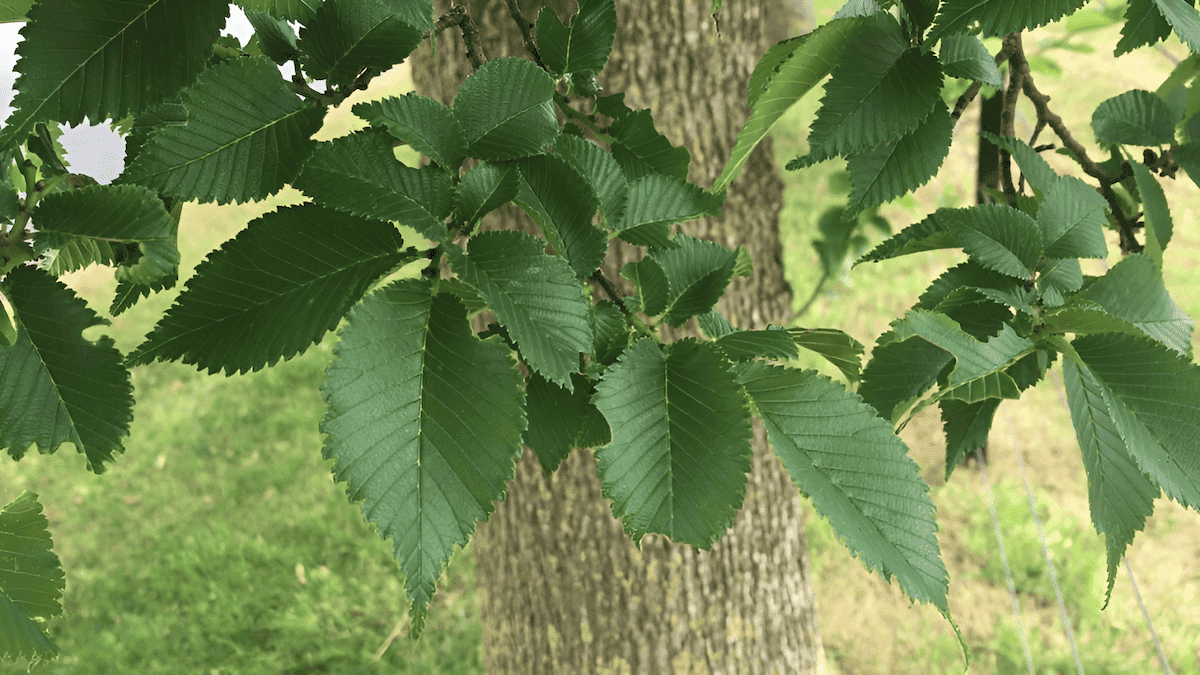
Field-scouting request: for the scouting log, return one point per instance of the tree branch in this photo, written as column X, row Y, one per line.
column 1008, row 115
column 611, row 290
column 457, row 16
column 526, row 27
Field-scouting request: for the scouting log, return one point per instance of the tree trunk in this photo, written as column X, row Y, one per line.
column 562, row 589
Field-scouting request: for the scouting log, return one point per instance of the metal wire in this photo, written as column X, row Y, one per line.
column 1008, row 578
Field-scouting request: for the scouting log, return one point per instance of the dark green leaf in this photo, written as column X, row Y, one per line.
column 998, row 18
column 424, row 423
column 899, row 372
column 505, row 109
column 1072, row 217
column 601, row 170
column 936, row 231
column 426, row 125
column 556, row 417
column 650, row 280
column 275, row 37
column 1034, row 169
column 561, row 201
column 714, row 324
column 584, row 46
column 31, row 580
column 1057, row 279
column 834, row 346
column 246, row 136
column 610, row 332
column 93, row 223
column 534, row 295
column 880, row 174
column 657, row 201
column 274, row 289
column 680, row 452
column 359, row 174
column 698, row 272
column 347, row 36
column 921, row 12
column 55, row 385
column 291, row 10
column 999, row 237
column 1159, row 225
column 641, row 150
column 483, row 188
column 746, row 345
column 105, row 59
column 973, row 358
column 1144, row 25
column 1135, row 118
column 857, row 473
column 965, row 56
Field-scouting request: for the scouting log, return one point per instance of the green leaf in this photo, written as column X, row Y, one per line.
column 93, row 224
column 1144, row 25
column 1159, row 226
column 1136, row 117
column 857, row 473
column 1133, row 291
column 610, row 332
column 1072, row 218
column 965, row 56
column 347, row 36
column 246, row 136
column 1035, row 169
column 1057, row 279
column 425, row 124
column 55, row 385
column 275, row 37
column 921, row 12
column 746, row 345
column 657, row 201
column 973, row 359
column 482, row 189
column 105, row 59
column 14, row 10
column 290, row 10
column 879, row 91
column 601, row 170
column 534, row 295
column 899, row 372
column 359, row 174
column 936, row 231
column 424, row 423
column 834, row 346
column 714, row 324
column 562, row 203
column 274, row 289
column 1184, row 20
column 585, row 45
column 1153, row 396
column 787, row 72
column 698, row 272
column 31, row 580
column 1120, row 494
column 880, row 174
column 641, row 150
column 680, row 452
column 556, row 417
column 505, row 109
column 653, row 289
column 998, row 18
column 1000, row 238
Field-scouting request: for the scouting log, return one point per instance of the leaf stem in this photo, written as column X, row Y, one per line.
column 564, row 104
column 611, row 291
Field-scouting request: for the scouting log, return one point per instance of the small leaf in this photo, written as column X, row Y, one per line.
column 641, row 150
column 1135, row 118
column 55, row 385
column 610, row 332
column 880, row 174
column 425, row 124
column 424, row 425
column 230, row 152
column 936, row 231
column 359, row 174
column 965, row 56
column 482, row 189
column 680, row 452
column 562, row 203
column 899, row 372
column 31, row 580
column 1072, row 218
column 1034, row 169
column 274, row 289
column 973, row 359
column 657, row 201
column 653, row 290
column 556, row 418
column 534, row 295
column 834, row 346
column 714, row 324
column 1144, row 25
column 857, row 473
column 601, row 170
column 275, row 37
column 585, row 45
column 504, row 107
column 1159, row 226
column 698, row 272
column 347, row 36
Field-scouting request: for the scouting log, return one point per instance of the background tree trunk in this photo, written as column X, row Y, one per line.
column 562, row 588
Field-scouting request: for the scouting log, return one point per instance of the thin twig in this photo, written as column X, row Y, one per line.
column 526, row 27
column 611, row 290
column 457, row 16
column 1008, row 115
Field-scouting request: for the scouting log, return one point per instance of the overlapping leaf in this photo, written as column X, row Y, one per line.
column 965, row 56
column 424, row 423
column 345, row 37
column 641, row 150
column 973, row 359
column 274, row 289
column 746, row 345
column 1136, row 117
column 483, row 188
column 562, row 203
column 359, row 174
column 857, row 473
column 246, row 135
column 55, row 385
column 601, row 170
column 291, row 10
column 1000, row 238
column 275, row 37
column 585, row 44
column 680, row 446
column 556, row 418
column 107, row 58
column 1133, row 291
column 1184, row 20
column 657, row 201
column 998, row 18
column 1158, row 221
column 882, row 173
column 834, row 346
column 1144, row 25
column 1072, row 218
column 426, row 125
column 94, row 223
column 653, row 289
column 1119, row 493
column 698, row 272
column 534, row 295
column 505, row 109
column 31, row 580
column 1034, row 169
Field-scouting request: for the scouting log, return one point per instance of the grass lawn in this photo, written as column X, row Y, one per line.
column 219, row 544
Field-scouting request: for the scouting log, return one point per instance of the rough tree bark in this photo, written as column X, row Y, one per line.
column 562, row 588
